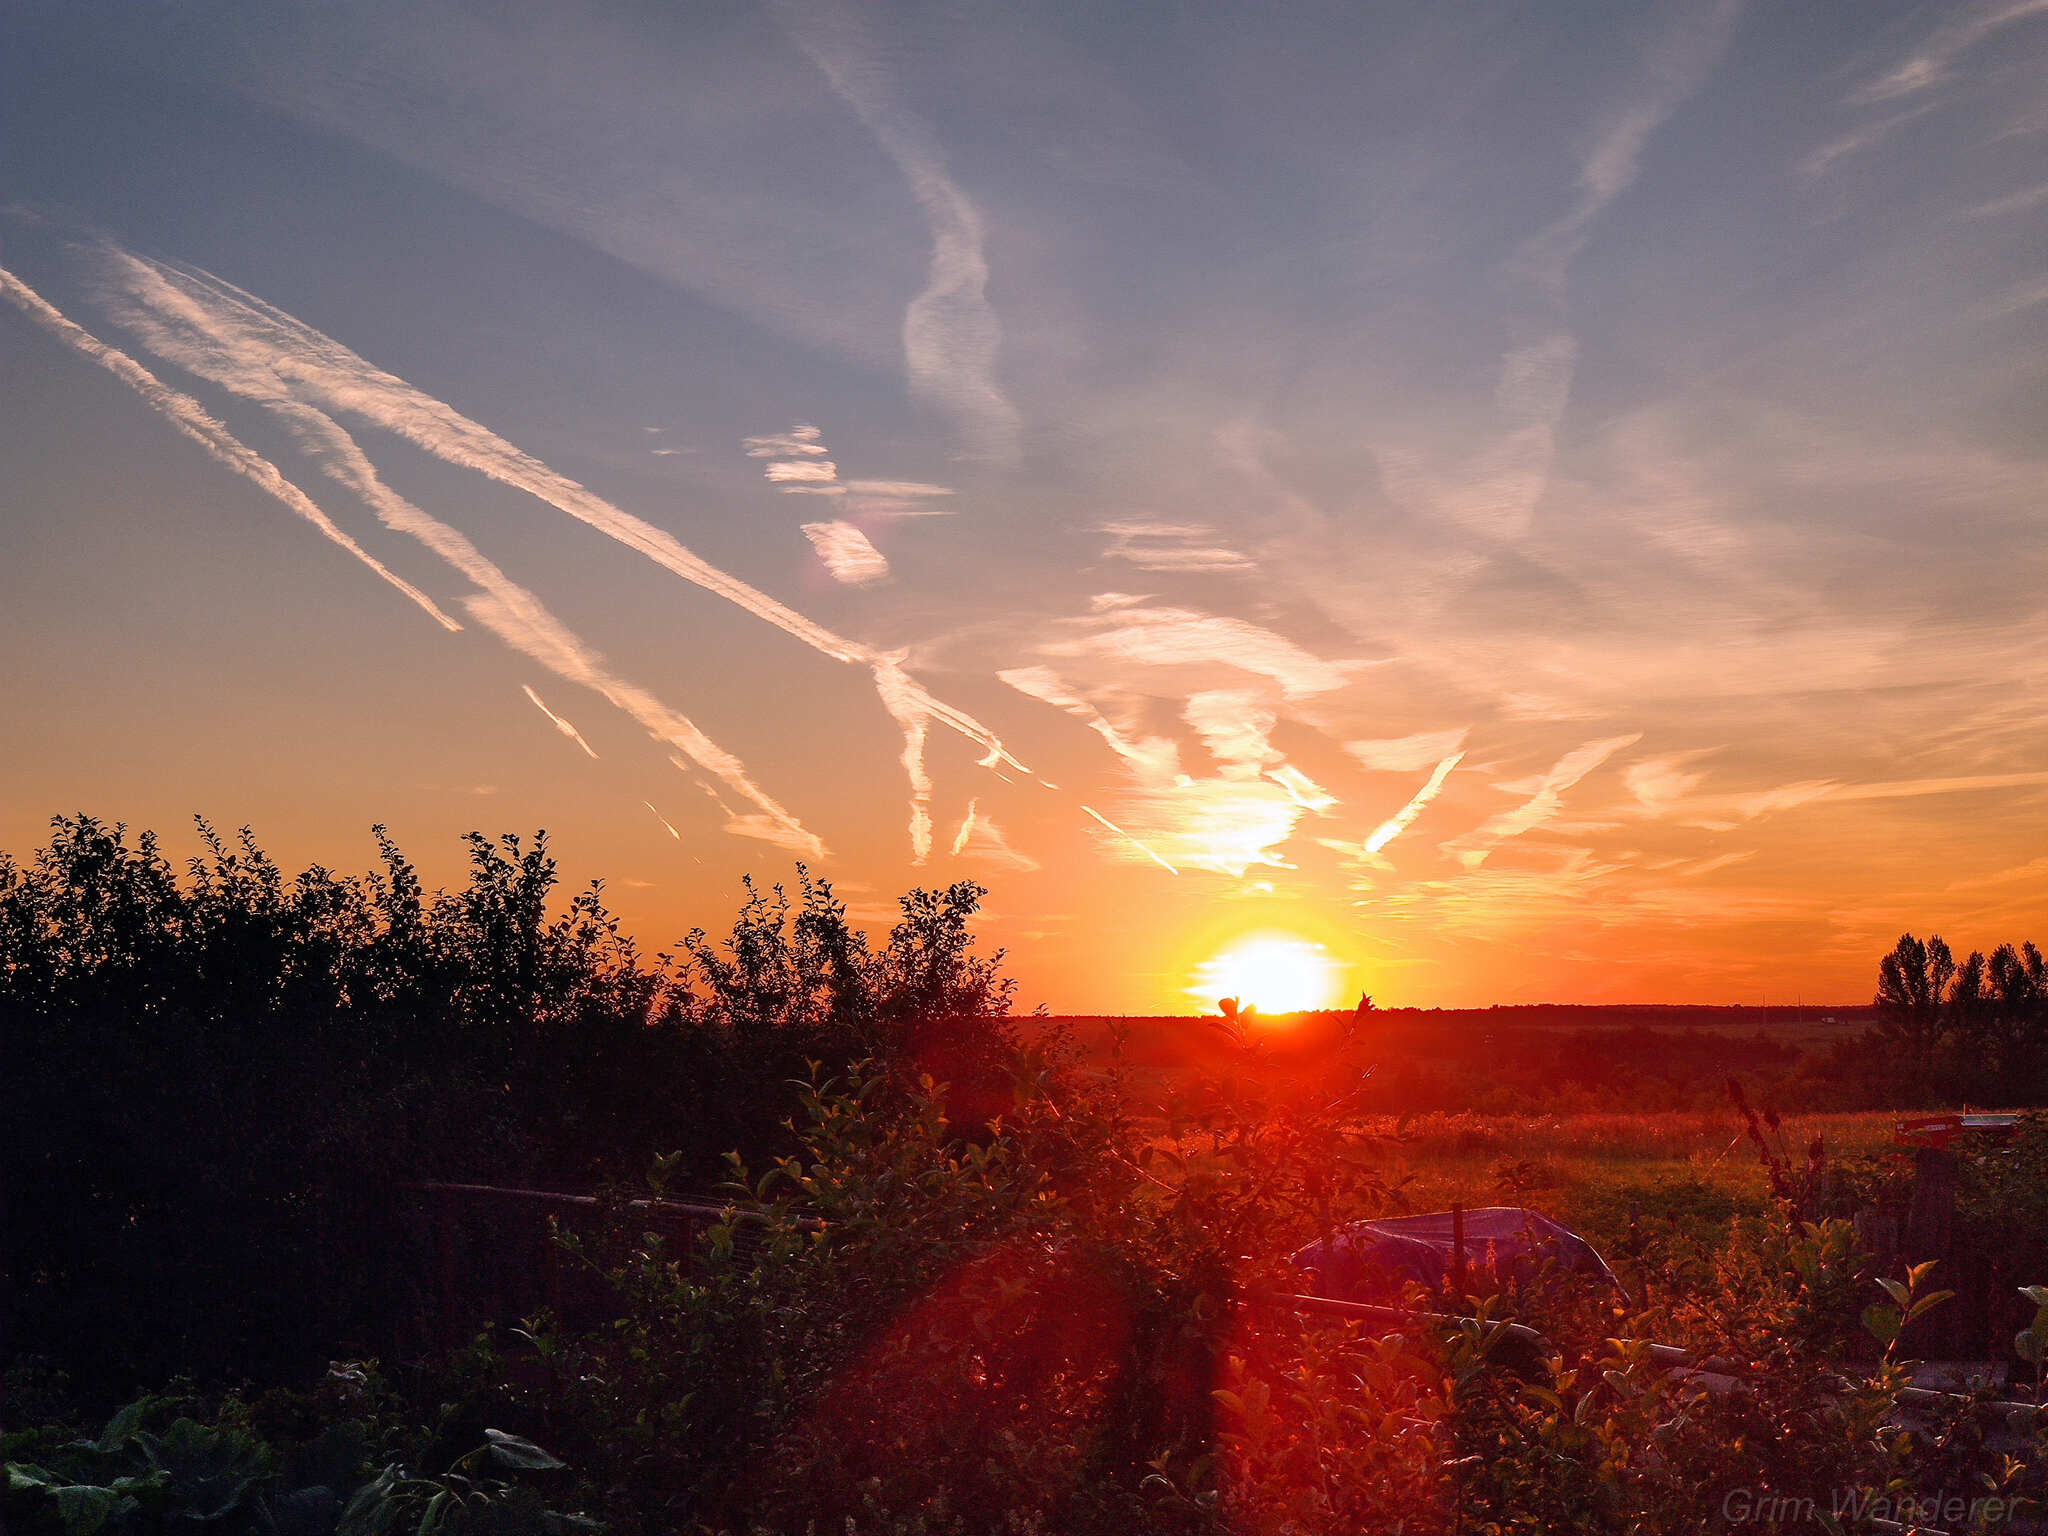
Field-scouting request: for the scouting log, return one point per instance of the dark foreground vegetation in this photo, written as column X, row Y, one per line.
column 968, row 1277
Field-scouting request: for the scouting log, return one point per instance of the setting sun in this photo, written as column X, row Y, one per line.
column 1275, row 973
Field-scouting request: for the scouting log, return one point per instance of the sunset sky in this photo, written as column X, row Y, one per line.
column 1503, row 502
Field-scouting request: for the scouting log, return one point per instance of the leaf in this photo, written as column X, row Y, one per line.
column 1928, row 1303
column 1881, row 1322
column 2026, row 1342
column 556, row 1523
column 84, row 1508
column 374, row 1507
column 122, row 1426
column 1898, row 1293
column 208, row 1468
column 511, row 1451
column 2037, row 1294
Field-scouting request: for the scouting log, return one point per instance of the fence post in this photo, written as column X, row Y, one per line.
column 1458, row 1250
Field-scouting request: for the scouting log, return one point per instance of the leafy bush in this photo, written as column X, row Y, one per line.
column 221, row 1478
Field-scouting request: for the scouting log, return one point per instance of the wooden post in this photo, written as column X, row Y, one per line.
column 1458, row 1251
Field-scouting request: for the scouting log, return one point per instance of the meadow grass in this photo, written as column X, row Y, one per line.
column 1589, row 1170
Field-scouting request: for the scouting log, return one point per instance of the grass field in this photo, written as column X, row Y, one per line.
column 1587, row 1169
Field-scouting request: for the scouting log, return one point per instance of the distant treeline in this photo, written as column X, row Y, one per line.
column 1939, row 1032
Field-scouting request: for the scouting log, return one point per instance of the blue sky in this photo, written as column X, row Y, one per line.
column 1538, row 502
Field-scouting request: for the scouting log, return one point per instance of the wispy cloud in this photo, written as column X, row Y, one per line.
column 802, row 472
column 1406, row 754
column 1724, row 812
column 951, row 335
column 1498, row 487
column 800, row 441
column 1819, row 161
column 1545, row 799
column 666, row 825
column 1932, row 61
column 192, row 419
column 1225, row 825
column 1153, row 759
column 1304, row 791
column 560, row 724
column 1658, row 783
column 898, row 490
column 1404, row 818
column 320, row 368
column 1236, row 727
column 2017, row 202
column 847, row 553
column 1126, row 837
column 1123, row 631
column 980, row 838
column 1154, row 546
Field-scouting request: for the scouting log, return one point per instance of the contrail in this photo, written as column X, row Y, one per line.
column 1120, row 832
column 230, row 345
column 950, row 331
column 315, row 365
column 1404, row 818
column 966, row 828
column 191, row 418
column 670, row 826
column 561, row 725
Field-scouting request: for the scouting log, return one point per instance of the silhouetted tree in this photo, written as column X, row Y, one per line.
column 214, row 1086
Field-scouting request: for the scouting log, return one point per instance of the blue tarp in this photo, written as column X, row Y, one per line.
column 1372, row 1260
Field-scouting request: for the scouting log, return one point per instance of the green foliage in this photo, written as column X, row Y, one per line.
column 221, row 1478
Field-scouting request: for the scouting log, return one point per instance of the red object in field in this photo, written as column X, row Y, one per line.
column 1945, row 1130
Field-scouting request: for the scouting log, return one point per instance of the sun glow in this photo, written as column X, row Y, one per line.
column 1276, row 973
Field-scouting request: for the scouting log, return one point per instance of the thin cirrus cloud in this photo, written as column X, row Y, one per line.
column 1153, row 759
column 1406, row 754
column 847, row 553
column 951, row 335
column 232, row 342
column 1501, row 482
column 1544, row 799
column 817, row 475
column 322, row 369
column 1236, row 726
column 1932, row 61
column 192, row 419
column 980, row 838
column 1122, row 631
column 559, row 723
column 1171, row 547
column 1126, row 837
column 800, row 441
column 1224, row 825
column 1404, row 818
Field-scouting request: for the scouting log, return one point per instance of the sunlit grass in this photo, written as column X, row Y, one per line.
column 1586, row 1169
